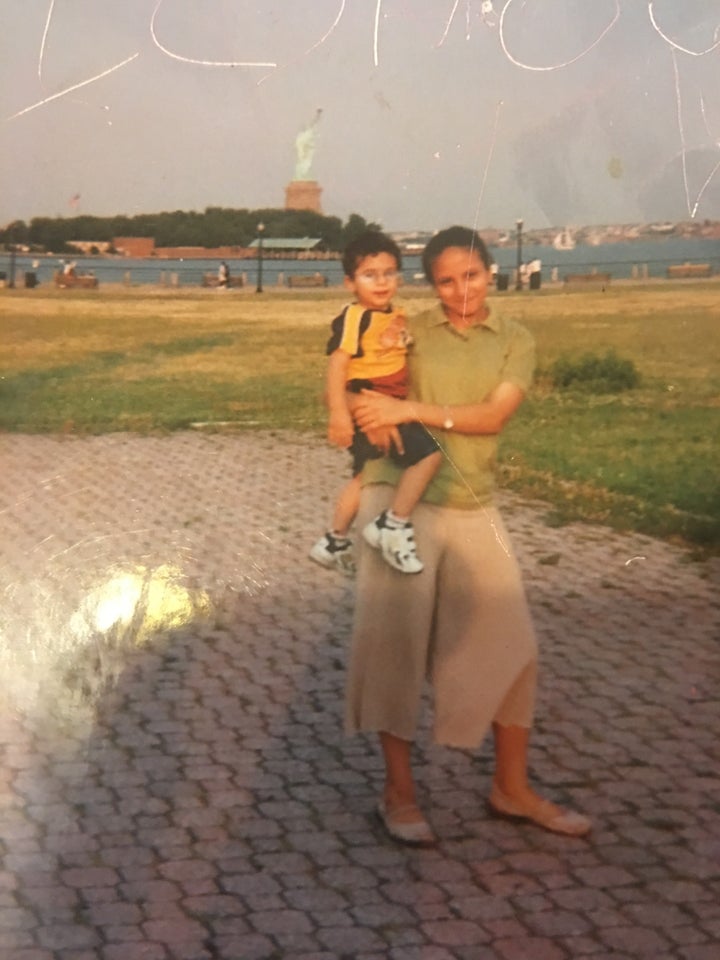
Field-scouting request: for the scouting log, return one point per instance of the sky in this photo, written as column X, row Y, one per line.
column 433, row 111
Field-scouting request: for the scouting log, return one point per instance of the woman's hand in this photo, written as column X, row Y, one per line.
column 374, row 410
column 385, row 438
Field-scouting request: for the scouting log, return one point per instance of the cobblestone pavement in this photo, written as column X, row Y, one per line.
column 175, row 783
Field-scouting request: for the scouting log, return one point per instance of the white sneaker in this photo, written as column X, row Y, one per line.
column 397, row 544
column 334, row 553
column 373, row 530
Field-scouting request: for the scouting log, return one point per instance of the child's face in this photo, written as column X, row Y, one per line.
column 375, row 281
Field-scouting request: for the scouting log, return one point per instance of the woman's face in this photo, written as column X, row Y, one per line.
column 461, row 282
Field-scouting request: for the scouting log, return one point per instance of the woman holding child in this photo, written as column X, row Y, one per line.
column 463, row 622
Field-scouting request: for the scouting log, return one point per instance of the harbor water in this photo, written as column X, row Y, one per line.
column 621, row 260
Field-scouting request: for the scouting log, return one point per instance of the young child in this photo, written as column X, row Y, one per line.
column 368, row 351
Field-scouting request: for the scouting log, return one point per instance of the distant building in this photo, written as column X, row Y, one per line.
column 296, row 245
column 134, row 246
column 293, row 247
column 90, row 246
column 199, row 253
column 411, row 241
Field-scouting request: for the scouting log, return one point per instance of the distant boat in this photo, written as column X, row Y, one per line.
column 564, row 240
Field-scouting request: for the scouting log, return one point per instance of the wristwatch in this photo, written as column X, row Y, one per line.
column 448, row 422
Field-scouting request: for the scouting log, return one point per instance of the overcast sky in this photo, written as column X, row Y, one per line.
column 434, row 111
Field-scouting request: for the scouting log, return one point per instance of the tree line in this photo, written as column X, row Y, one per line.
column 215, row 227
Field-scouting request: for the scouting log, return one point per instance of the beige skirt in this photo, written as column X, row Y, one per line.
column 463, row 624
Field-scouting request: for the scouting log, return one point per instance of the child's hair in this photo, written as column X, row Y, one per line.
column 368, row 244
column 453, row 237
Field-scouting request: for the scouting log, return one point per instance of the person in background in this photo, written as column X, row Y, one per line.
column 534, row 273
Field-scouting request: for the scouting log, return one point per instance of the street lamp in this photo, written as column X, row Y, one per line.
column 11, row 271
column 518, row 272
column 260, row 230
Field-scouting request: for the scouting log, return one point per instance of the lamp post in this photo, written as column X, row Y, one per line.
column 260, row 230
column 11, row 271
column 518, row 272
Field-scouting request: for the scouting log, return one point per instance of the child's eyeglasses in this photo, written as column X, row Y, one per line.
column 375, row 276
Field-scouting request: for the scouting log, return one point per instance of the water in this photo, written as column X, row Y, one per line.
column 618, row 259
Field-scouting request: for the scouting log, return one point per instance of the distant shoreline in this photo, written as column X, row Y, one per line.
column 629, row 260
column 207, row 255
column 541, row 239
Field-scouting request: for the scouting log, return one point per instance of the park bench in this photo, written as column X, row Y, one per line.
column 211, row 280
column 307, row 280
column 587, row 279
column 65, row 280
column 684, row 270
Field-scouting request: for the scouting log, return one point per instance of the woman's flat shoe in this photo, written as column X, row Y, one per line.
column 545, row 814
column 414, row 833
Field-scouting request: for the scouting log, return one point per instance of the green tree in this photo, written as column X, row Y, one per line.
column 355, row 226
column 214, row 227
column 14, row 233
column 49, row 233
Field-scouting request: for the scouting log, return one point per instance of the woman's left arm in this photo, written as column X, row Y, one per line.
column 375, row 410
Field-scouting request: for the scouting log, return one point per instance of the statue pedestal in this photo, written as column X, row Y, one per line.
column 303, row 195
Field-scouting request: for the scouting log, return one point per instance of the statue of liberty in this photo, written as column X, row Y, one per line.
column 305, row 148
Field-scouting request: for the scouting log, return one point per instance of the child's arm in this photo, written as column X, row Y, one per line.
column 340, row 424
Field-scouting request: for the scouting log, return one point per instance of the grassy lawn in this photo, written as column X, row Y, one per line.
column 147, row 359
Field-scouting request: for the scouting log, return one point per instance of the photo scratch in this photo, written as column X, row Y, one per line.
column 196, row 62
column 44, row 39
column 556, row 66
column 692, row 205
column 76, row 86
column 376, row 32
column 676, row 46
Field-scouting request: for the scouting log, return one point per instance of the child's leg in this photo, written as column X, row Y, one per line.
column 346, row 506
column 412, row 485
column 334, row 549
column 392, row 531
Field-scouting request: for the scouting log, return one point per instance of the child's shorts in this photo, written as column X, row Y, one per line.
column 417, row 441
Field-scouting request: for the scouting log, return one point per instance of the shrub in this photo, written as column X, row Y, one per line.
column 594, row 373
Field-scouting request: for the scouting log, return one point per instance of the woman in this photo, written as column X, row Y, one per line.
column 463, row 622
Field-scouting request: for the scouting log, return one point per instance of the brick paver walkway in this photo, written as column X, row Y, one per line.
column 175, row 784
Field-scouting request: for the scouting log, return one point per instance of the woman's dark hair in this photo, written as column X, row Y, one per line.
column 368, row 244
column 454, row 237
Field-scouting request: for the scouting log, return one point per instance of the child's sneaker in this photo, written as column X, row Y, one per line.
column 397, row 543
column 334, row 552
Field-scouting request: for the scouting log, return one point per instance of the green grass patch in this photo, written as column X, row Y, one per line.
column 620, row 463
column 643, row 458
column 594, row 373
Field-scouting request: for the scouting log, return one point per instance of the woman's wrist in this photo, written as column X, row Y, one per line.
column 411, row 413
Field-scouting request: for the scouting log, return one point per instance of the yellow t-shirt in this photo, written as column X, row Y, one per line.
column 375, row 340
column 449, row 367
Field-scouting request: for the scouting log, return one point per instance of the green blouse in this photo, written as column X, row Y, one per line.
column 449, row 367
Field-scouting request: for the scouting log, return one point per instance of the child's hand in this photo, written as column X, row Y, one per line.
column 340, row 429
